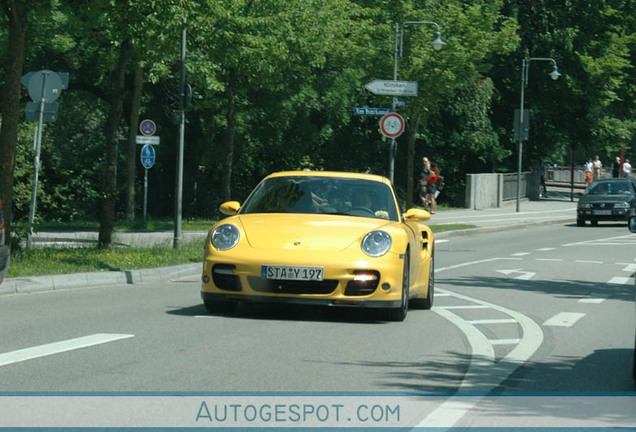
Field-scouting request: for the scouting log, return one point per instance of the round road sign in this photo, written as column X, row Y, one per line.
column 147, row 156
column 392, row 125
column 147, row 127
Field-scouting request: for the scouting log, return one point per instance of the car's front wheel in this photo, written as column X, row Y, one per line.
column 427, row 302
column 399, row 313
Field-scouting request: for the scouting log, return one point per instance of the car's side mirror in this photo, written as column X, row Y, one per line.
column 631, row 224
column 417, row 215
column 230, row 208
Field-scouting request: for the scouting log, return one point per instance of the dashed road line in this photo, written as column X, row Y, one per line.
column 619, row 280
column 564, row 319
column 493, row 321
column 59, row 347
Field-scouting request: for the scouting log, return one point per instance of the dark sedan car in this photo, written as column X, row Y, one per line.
column 4, row 249
column 607, row 200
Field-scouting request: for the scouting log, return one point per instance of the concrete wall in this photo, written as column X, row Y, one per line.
column 483, row 191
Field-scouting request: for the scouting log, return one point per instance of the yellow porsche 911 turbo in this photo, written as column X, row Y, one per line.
column 323, row 238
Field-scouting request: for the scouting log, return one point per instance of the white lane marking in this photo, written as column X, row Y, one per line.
column 466, row 307
column 629, row 267
column 588, row 262
column 505, row 341
column 599, row 241
column 59, row 347
column 595, row 298
column 524, row 275
column 564, row 319
column 619, row 280
column 452, row 267
column 546, row 249
column 482, row 367
column 442, row 241
column 550, row 259
column 521, row 254
column 493, row 321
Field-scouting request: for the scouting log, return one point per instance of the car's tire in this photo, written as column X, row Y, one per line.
column 215, row 307
column 580, row 222
column 399, row 313
column 427, row 303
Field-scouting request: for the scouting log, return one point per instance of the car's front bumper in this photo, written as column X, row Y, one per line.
column 240, row 280
column 621, row 214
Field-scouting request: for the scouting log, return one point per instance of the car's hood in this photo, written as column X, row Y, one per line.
column 306, row 232
column 606, row 198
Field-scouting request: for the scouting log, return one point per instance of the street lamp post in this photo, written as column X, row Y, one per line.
column 524, row 82
column 437, row 43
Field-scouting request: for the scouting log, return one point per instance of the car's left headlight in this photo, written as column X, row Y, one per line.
column 376, row 243
column 225, row 237
column 622, row 205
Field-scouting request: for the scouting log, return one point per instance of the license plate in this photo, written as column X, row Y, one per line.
column 291, row 273
column 602, row 212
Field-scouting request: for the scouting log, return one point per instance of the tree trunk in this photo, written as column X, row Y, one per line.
column 414, row 123
column 109, row 178
column 229, row 138
column 10, row 102
column 131, row 156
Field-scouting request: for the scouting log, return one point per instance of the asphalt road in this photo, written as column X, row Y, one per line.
column 548, row 308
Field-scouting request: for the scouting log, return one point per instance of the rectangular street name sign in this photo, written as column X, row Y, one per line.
column 142, row 139
column 392, row 88
column 371, row 111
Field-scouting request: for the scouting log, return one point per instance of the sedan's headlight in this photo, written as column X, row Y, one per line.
column 585, row 205
column 224, row 237
column 623, row 205
column 376, row 243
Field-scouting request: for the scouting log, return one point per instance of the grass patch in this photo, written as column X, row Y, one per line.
column 49, row 261
column 450, row 227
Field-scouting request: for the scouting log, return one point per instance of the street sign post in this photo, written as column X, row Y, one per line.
column 392, row 125
column 392, row 88
column 142, row 139
column 147, row 127
column 44, row 88
column 147, row 157
column 371, row 111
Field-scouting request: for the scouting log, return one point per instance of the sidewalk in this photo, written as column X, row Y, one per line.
column 557, row 208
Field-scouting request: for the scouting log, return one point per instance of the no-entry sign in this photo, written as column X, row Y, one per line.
column 392, row 125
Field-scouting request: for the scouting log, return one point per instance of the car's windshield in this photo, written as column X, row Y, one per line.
column 325, row 195
column 611, row 188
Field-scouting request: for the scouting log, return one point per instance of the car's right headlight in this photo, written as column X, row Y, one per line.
column 225, row 237
column 376, row 243
column 585, row 205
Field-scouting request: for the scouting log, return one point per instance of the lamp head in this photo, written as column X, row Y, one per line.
column 438, row 43
column 555, row 73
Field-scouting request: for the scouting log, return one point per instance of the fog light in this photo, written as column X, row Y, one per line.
column 365, row 277
column 206, row 279
column 386, row 287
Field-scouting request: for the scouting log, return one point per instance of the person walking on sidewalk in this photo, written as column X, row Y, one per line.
column 589, row 171
column 627, row 169
column 431, row 186
column 426, row 169
column 598, row 166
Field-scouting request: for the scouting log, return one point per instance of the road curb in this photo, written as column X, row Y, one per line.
column 34, row 284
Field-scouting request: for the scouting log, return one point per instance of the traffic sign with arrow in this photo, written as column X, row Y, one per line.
column 392, row 88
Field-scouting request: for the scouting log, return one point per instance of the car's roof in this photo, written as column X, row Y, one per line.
column 340, row 174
